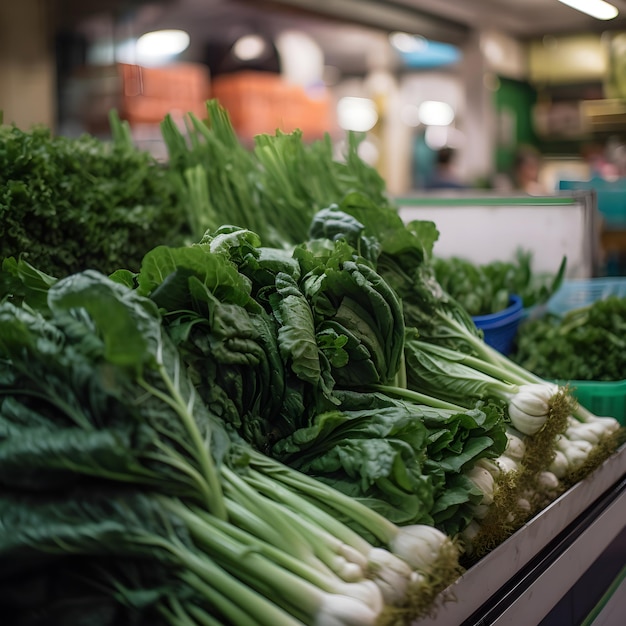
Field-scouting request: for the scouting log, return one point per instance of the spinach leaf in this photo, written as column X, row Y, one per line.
column 348, row 297
column 374, row 456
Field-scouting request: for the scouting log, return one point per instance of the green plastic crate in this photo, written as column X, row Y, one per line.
column 602, row 398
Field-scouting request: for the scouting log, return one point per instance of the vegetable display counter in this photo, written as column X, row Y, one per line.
column 489, row 228
column 530, row 578
column 139, row 407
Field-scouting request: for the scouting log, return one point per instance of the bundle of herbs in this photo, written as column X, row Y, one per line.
column 586, row 343
column 69, row 204
column 274, row 189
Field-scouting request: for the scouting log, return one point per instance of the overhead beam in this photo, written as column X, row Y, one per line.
column 389, row 16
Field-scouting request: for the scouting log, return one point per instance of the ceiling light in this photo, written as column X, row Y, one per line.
column 596, row 8
column 249, row 47
column 434, row 113
column 162, row 43
column 356, row 114
column 404, row 42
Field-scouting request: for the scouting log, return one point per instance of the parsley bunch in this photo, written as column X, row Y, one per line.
column 69, row 204
column 587, row 343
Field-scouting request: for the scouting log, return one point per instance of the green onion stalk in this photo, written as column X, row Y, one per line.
column 302, row 591
column 487, row 357
column 561, row 428
column 537, row 415
column 410, row 564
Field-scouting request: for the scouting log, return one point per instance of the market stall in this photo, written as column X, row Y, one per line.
column 270, row 412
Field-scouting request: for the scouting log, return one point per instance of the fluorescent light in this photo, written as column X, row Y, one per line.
column 162, row 43
column 596, row 8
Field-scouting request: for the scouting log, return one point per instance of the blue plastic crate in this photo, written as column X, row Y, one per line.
column 573, row 294
column 499, row 329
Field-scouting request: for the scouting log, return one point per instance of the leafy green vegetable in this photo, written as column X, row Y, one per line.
column 487, row 288
column 72, row 204
column 321, row 317
column 84, row 369
column 584, row 344
column 350, row 298
column 21, row 282
column 373, row 455
column 402, row 459
column 274, row 189
column 106, row 454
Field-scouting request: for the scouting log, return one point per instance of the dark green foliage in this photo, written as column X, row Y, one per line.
column 227, row 340
column 102, row 440
column 274, row 189
column 484, row 289
column 69, row 204
column 374, row 455
column 269, row 335
column 83, row 557
column 92, row 387
column 455, row 441
column 584, row 344
column 348, row 297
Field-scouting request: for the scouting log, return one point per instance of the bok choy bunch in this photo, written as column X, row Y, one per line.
column 445, row 359
column 109, row 456
column 332, row 326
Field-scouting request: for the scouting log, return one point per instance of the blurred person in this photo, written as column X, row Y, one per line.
column 526, row 170
column 443, row 175
column 594, row 155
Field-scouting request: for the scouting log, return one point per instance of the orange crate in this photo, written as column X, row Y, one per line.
column 149, row 94
column 145, row 110
column 262, row 102
column 184, row 81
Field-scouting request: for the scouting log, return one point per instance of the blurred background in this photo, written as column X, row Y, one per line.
column 527, row 96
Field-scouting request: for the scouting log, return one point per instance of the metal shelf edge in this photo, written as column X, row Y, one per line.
column 474, row 588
